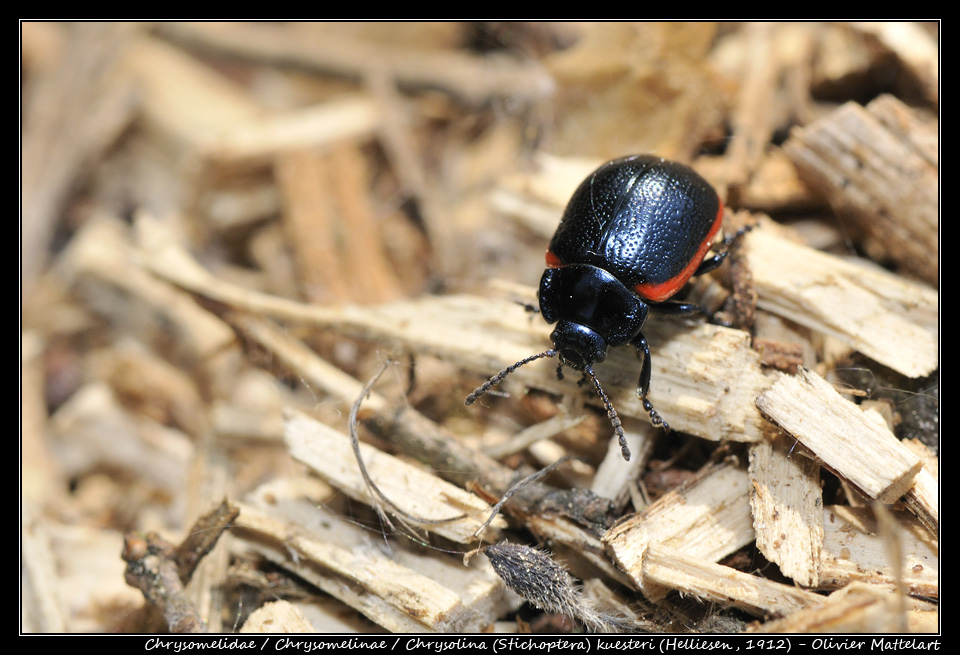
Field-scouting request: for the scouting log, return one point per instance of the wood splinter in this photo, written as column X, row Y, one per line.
column 857, row 445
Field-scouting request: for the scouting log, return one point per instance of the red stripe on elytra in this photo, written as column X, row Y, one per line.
column 662, row 290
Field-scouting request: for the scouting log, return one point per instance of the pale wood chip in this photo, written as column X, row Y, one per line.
column 857, row 445
column 708, row 518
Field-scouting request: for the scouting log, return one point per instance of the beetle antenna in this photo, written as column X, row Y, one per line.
column 496, row 379
column 611, row 414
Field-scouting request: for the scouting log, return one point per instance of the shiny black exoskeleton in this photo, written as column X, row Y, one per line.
column 632, row 235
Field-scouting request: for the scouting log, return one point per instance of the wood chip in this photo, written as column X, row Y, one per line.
column 884, row 316
column 857, row 445
column 309, row 217
column 774, row 187
column 753, row 117
column 473, row 79
column 257, row 141
column 320, row 192
column 40, row 474
column 853, row 550
column 95, row 430
column 100, row 262
column 787, row 507
column 185, row 103
column 212, row 121
column 874, row 166
column 277, row 617
column 397, row 598
column 73, row 110
column 401, row 591
column 615, row 477
column 723, row 585
column 328, row 453
column 42, row 606
column 786, row 357
column 856, row 609
column 89, row 578
column 709, row 518
column 923, row 499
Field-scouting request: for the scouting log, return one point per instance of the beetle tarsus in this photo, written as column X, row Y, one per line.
column 712, row 263
column 528, row 306
column 655, row 417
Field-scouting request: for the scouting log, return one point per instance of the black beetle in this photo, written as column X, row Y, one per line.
column 634, row 232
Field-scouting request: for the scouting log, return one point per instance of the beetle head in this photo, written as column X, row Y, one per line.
column 593, row 310
column 578, row 345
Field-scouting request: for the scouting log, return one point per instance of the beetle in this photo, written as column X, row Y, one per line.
column 634, row 232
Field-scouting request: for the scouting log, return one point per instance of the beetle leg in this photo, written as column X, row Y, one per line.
column 643, row 384
column 711, row 263
column 675, row 307
column 643, row 353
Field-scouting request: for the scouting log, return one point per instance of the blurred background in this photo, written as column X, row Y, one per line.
column 351, row 164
